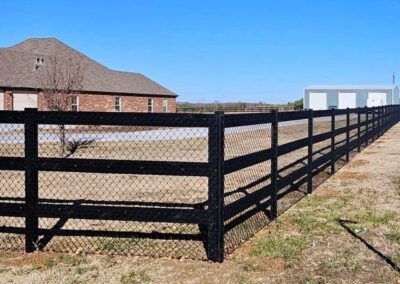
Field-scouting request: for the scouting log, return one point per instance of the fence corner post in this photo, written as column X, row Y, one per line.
column 274, row 165
column 310, row 151
column 215, row 227
column 31, row 180
column 333, row 134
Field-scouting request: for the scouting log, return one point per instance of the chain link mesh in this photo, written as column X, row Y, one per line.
column 290, row 131
column 246, row 206
column 98, row 189
column 12, row 187
column 64, row 195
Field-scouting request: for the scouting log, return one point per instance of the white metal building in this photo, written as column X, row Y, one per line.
column 326, row 96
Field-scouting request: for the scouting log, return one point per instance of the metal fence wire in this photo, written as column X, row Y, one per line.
column 178, row 185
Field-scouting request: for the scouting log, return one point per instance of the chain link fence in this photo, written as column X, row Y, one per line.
column 177, row 185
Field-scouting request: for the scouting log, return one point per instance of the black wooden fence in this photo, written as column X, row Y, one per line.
column 239, row 158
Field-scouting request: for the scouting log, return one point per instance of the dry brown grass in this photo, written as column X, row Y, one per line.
column 350, row 175
column 359, row 163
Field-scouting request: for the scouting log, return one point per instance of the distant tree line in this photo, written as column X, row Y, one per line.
column 237, row 107
column 298, row 104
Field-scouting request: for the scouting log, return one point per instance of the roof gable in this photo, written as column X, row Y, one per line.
column 17, row 65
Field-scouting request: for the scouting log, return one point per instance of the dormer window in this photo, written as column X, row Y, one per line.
column 37, row 62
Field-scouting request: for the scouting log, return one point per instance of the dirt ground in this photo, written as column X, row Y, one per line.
column 307, row 244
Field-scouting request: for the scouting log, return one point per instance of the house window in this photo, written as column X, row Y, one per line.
column 39, row 60
column 117, row 104
column 165, row 105
column 150, row 105
column 74, row 103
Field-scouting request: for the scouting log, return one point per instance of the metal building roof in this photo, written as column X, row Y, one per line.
column 351, row 87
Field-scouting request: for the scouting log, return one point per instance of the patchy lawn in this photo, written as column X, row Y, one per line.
column 307, row 244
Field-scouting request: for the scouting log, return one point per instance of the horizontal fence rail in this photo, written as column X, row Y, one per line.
column 252, row 162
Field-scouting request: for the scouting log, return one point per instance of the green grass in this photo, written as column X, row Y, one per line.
column 129, row 278
column 50, row 263
column 122, row 246
column 286, row 248
column 72, row 260
column 135, row 277
column 23, row 271
column 396, row 257
column 394, row 237
column 310, row 280
column 83, row 270
column 342, row 260
column 373, row 218
column 318, row 216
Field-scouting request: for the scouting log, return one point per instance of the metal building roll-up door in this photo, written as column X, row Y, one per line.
column 347, row 100
column 22, row 100
column 318, row 101
column 376, row 99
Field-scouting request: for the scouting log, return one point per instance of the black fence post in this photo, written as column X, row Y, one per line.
column 310, row 152
column 391, row 115
column 358, row 129
column 366, row 126
column 383, row 119
column 373, row 124
column 379, row 121
column 347, row 134
column 333, row 133
column 387, row 118
column 31, row 180
column 215, row 230
column 274, row 166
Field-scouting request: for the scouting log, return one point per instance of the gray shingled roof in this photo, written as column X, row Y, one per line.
column 17, row 64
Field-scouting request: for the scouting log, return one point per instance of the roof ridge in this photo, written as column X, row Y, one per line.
column 127, row 72
column 56, row 40
column 16, row 71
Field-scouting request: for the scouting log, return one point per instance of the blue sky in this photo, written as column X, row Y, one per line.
column 223, row 51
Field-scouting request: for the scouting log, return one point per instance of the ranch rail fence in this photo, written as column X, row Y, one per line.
column 181, row 185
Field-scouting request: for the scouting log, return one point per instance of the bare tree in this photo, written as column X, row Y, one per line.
column 60, row 80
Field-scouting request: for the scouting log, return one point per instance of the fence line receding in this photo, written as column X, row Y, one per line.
column 180, row 185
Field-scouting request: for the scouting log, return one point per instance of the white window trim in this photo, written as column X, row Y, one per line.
column 77, row 103
column 166, row 105
column 119, row 103
column 152, row 105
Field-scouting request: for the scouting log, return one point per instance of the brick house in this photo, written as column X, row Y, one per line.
column 102, row 89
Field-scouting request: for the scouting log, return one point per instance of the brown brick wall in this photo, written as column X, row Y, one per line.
column 88, row 102
column 8, row 100
column 99, row 102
